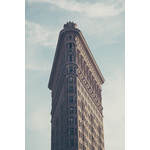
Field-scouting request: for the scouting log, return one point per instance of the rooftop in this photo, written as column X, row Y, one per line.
column 70, row 25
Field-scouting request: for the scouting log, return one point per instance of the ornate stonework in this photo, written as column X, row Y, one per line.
column 75, row 81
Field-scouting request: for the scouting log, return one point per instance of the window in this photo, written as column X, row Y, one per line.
column 70, row 69
column 84, row 147
column 70, row 37
column 70, row 89
column 76, row 131
column 76, row 143
column 67, row 110
column 75, row 80
column 67, row 143
column 75, row 100
column 71, row 99
column 57, row 121
column 75, row 110
column 71, row 110
column 75, row 120
column 70, row 47
column 75, row 90
column 74, row 70
column 71, row 120
column 67, row 121
column 71, row 131
column 82, row 117
column 70, row 79
column 71, row 142
column 80, row 145
column 67, row 132
column 66, row 70
column 70, row 58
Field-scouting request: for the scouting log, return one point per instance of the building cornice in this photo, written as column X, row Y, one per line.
column 89, row 90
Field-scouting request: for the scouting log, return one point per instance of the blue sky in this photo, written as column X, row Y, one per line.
column 103, row 26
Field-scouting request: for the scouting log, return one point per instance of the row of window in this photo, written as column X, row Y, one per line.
column 71, row 131
column 85, row 113
column 72, row 143
column 71, row 99
column 71, row 80
column 88, row 75
column 91, row 144
column 71, row 110
column 71, row 120
column 89, row 104
column 71, row 89
column 70, row 37
column 70, row 47
column 70, row 69
column 90, row 117
column 91, row 147
column 90, row 124
column 92, row 136
column 70, row 58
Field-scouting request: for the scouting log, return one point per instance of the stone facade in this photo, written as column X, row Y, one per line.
column 75, row 81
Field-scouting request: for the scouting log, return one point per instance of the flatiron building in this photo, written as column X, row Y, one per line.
column 75, row 82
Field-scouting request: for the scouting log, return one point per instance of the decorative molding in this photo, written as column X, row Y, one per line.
column 89, row 90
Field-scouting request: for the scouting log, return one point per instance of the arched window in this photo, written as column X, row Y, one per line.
column 70, row 79
column 71, row 110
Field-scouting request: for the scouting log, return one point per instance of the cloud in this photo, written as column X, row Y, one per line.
column 35, row 67
column 40, row 46
column 107, row 31
column 93, row 10
column 36, row 34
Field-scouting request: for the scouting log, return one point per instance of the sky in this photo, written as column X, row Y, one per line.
column 102, row 24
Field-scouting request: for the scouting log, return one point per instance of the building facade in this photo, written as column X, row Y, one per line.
column 75, row 81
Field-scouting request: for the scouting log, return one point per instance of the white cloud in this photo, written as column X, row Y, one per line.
column 35, row 34
column 107, row 30
column 33, row 66
column 93, row 10
column 39, row 40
